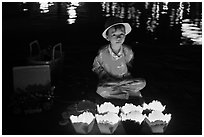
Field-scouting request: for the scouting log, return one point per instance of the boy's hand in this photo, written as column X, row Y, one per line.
column 127, row 76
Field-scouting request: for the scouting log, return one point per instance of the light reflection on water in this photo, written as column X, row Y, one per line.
column 191, row 31
column 72, row 15
column 148, row 14
column 44, row 6
column 178, row 15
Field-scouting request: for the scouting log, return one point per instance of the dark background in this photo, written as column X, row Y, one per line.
column 170, row 61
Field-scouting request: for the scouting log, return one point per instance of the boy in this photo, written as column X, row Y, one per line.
column 112, row 62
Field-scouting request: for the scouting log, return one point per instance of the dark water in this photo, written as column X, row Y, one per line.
column 175, row 22
column 166, row 39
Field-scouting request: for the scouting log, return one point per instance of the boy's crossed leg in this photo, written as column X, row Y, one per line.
column 121, row 90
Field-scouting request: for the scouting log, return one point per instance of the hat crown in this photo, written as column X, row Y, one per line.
column 112, row 20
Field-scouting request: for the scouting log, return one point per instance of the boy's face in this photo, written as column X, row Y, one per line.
column 116, row 36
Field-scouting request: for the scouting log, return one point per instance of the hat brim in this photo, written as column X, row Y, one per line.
column 127, row 29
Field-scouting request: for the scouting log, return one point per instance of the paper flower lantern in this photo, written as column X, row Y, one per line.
column 158, row 121
column 127, row 108
column 107, row 123
column 83, row 123
column 107, row 107
column 132, row 118
column 132, row 122
column 154, row 105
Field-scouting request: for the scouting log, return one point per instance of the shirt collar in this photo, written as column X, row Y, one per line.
column 119, row 55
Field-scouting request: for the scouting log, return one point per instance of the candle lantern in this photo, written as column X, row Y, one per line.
column 132, row 118
column 107, row 123
column 157, row 121
column 83, row 124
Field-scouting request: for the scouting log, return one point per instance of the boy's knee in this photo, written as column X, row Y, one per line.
column 143, row 83
column 135, row 93
column 139, row 84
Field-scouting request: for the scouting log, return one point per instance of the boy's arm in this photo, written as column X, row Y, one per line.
column 98, row 67
column 129, row 56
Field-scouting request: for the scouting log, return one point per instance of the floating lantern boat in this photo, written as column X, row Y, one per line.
column 83, row 124
column 158, row 121
column 108, row 122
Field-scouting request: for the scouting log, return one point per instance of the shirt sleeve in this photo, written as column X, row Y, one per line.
column 129, row 55
column 98, row 64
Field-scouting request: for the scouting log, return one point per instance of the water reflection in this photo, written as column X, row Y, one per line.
column 155, row 19
column 71, row 11
column 152, row 21
column 165, row 6
column 191, row 33
column 44, row 6
column 176, row 14
column 75, row 4
column 113, row 9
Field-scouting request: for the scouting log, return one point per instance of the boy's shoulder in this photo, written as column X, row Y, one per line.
column 103, row 49
column 127, row 50
column 126, row 47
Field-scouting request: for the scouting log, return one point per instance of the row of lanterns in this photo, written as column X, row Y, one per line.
column 109, row 116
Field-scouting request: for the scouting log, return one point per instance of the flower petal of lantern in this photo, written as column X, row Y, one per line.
column 127, row 108
column 145, row 106
column 156, row 105
column 107, row 107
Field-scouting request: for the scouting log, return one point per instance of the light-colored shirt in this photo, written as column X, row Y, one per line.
column 114, row 64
